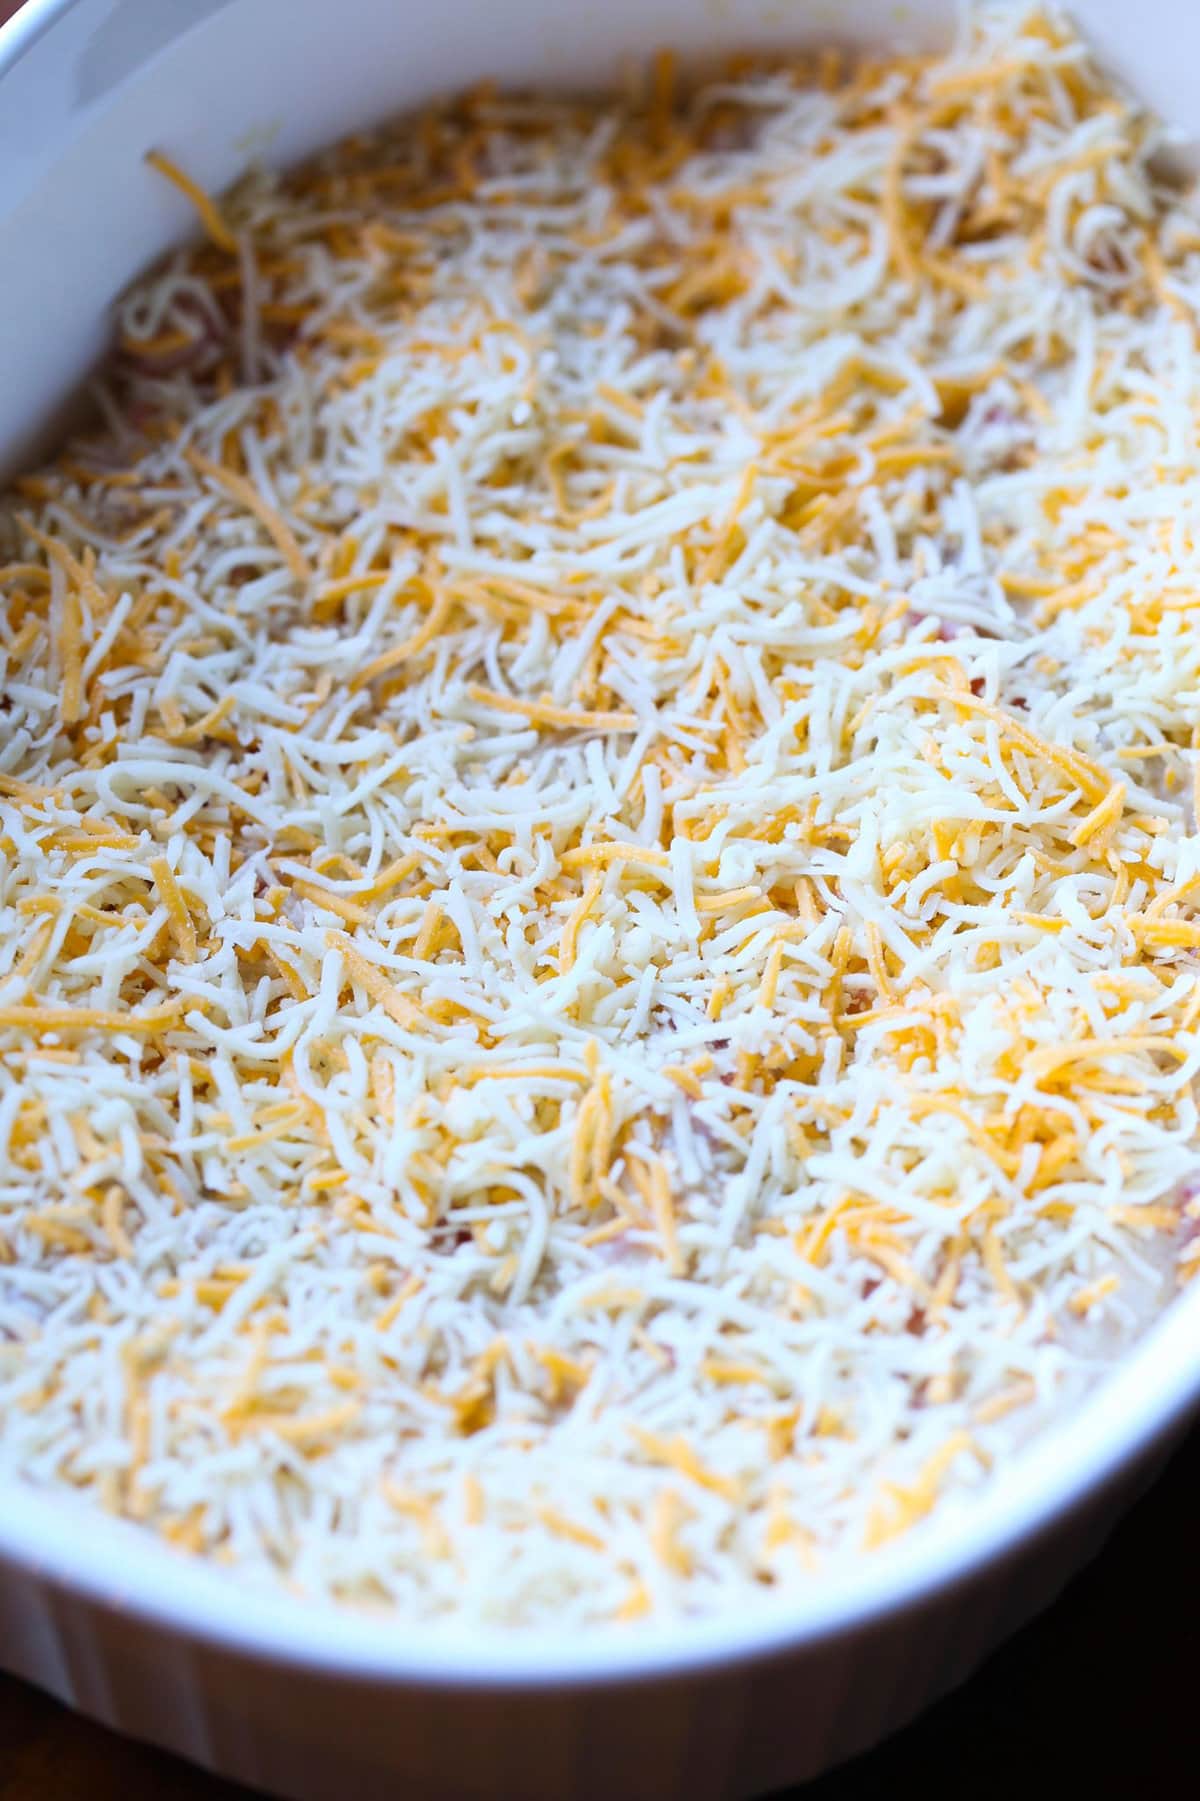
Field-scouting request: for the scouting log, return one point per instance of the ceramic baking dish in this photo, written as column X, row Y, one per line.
column 312, row 1702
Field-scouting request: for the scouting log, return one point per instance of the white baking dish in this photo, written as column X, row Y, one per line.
column 305, row 1700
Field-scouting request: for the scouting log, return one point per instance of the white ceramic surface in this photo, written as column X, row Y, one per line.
column 311, row 1702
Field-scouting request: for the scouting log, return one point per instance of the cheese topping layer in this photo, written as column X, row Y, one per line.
column 599, row 885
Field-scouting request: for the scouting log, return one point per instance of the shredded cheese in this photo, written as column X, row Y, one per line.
column 598, row 879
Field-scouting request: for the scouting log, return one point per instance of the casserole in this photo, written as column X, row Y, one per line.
column 305, row 1700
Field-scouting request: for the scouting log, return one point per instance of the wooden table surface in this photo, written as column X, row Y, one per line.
column 1096, row 1701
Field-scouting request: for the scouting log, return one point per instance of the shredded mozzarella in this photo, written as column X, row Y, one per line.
column 598, row 844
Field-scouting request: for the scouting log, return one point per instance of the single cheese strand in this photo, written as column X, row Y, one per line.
column 247, row 495
column 181, row 923
column 394, row 1004
column 543, row 712
column 208, row 211
column 42, row 1018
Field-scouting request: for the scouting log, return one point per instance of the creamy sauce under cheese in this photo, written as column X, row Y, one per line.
column 599, row 883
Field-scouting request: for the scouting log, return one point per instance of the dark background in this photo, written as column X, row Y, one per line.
column 1097, row 1701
